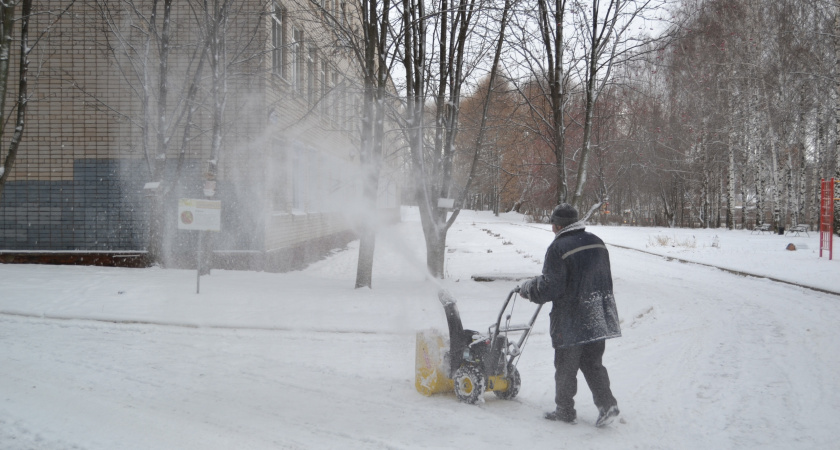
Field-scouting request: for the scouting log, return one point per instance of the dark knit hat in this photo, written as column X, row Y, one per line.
column 563, row 215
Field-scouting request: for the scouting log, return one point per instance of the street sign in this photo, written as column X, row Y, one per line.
column 198, row 214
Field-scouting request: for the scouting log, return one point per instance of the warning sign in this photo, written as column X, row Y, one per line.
column 198, row 214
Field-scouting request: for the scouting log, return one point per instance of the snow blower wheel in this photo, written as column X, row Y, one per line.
column 514, row 382
column 470, row 384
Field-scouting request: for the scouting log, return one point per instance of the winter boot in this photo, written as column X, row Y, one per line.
column 562, row 416
column 606, row 416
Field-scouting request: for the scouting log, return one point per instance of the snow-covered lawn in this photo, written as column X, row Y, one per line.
column 108, row 358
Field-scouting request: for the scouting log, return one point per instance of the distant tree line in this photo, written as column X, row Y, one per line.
column 730, row 118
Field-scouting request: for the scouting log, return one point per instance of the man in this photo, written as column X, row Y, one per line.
column 576, row 278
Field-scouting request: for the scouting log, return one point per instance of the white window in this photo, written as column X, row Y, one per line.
column 334, row 93
column 311, row 64
column 342, row 107
column 298, row 175
column 325, row 88
column 278, row 41
column 296, row 61
column 315, row 192
column 278, row 176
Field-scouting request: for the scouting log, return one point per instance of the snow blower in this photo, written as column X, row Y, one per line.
column 471, row 363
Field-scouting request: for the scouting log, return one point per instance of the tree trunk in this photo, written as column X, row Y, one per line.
column 759, row 193
column 776, row 193
column 364, row 267
column 730, row 191
column 373, row 129
column 23, row 94
column 587, row 138
column 551, row 32
column 801, row 198
column 436, row 251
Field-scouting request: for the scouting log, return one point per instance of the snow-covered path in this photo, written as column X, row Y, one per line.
column 707, row 360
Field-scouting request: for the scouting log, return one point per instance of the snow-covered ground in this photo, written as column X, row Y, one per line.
column 109, row 358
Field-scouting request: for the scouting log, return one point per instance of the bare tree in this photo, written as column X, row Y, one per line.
column 552, row 22
column 20, row 12
column 141, row 34
column 439, row 74
column 363, row 34
column 607, row 41
column 176, row 59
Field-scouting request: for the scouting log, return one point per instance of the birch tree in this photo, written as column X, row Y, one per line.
column 16, row 17
column 364, row 33
column 439, row 49
column 175, row 59
column 140, row 41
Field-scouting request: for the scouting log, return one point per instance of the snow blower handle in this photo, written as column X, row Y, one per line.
column 502, row 312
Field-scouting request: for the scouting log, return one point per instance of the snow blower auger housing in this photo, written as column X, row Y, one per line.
column 472, row 363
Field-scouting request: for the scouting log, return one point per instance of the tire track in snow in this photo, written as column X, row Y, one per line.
column 163, row 323
column 732, row 271
column 742, row 273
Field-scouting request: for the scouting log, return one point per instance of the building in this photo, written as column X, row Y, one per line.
column 126, row 111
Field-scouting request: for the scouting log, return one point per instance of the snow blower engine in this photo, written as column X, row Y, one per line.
column 471, row 363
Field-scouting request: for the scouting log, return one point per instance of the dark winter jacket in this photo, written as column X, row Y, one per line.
column 576, row 277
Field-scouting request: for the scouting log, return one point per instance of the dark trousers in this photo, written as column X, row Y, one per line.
column 587, row 359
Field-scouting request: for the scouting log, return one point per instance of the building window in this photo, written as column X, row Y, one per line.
column 342, row 105
column 315, row 188
column 296, row 61
column 278, row 41
column 356, row 118
column 330, row 8
column 311, row 65
column 325, row 88
column 334, row 106
column 279, row 176
column 298, row 175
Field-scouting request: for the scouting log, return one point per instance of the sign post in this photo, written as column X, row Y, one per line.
column 200, row 215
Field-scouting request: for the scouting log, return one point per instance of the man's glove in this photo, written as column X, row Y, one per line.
column 524, row 289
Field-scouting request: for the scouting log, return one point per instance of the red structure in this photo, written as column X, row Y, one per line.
column 827, row 216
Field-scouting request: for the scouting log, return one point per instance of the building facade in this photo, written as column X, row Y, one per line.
column 258, row 101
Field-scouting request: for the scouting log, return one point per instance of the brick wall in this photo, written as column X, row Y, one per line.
column 77, row 184
column 97, row 210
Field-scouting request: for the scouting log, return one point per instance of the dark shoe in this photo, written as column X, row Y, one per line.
column 606, row 416
column 561, row 417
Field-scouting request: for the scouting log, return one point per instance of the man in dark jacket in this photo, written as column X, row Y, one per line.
column 576, row 278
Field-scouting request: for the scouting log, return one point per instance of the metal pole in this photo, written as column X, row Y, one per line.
column 198, row 252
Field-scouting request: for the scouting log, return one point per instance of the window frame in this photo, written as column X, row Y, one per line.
column 278, row 41
column 323, row 76
column 296, row 63
column 311, row 79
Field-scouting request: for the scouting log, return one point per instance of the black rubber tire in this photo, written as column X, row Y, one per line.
column 470, row 384
column 514, row 383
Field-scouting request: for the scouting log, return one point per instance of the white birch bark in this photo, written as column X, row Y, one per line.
column 775, row 182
